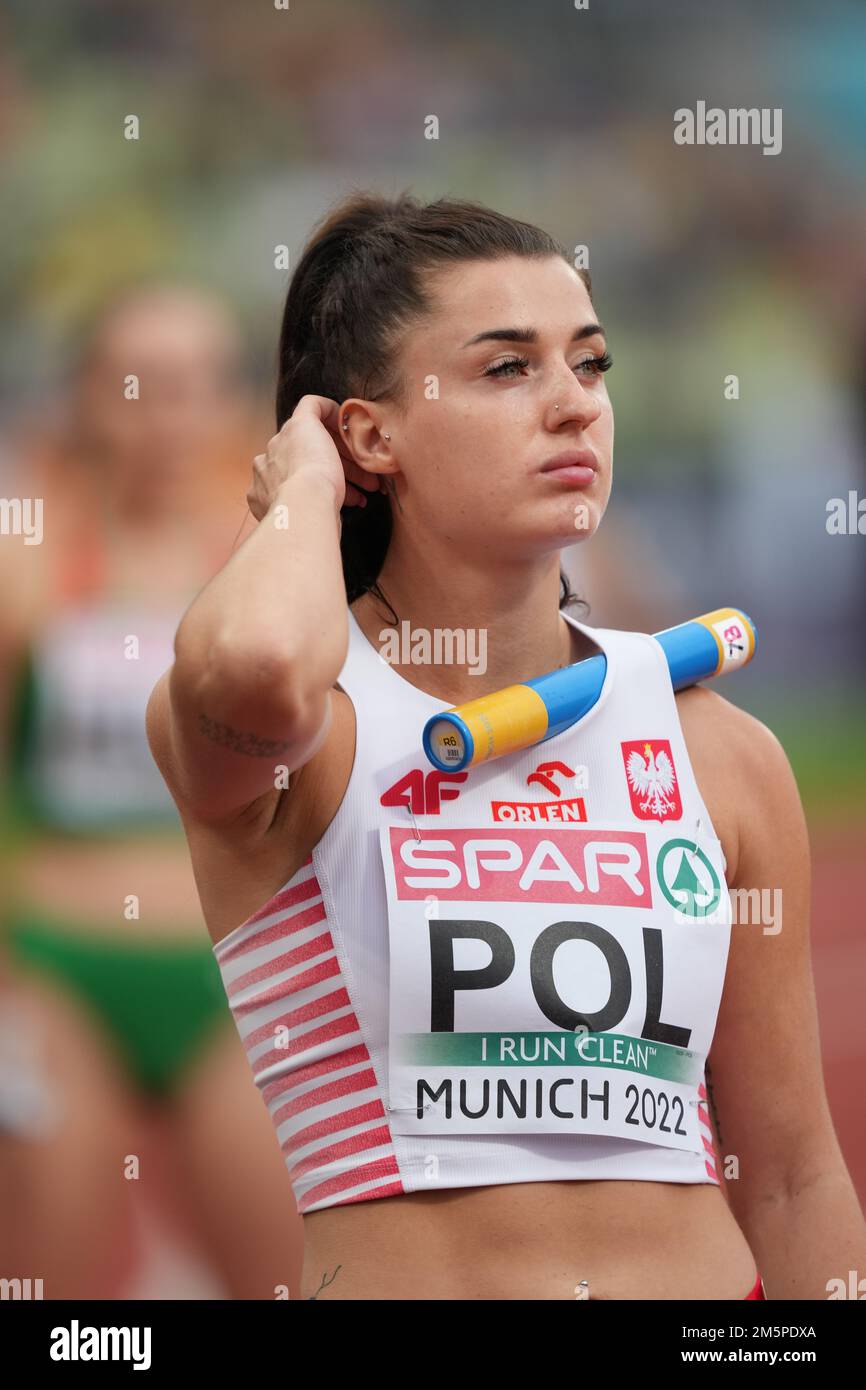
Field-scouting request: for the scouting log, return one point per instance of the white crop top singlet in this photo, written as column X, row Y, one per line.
column 509, row 974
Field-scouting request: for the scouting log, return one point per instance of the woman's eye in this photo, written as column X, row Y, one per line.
column 596, row 365
column 502, row 368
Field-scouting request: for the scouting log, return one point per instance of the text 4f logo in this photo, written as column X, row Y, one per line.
column 423, row 792
column 652, row 779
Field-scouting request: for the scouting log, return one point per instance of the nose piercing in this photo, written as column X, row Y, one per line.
column 556, row 407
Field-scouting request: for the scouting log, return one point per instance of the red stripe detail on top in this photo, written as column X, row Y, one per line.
column 345, row 1148
column 346, row 1119
column 327, row 1004
column 368, row 1172
column 322, row 1095
column 280, row 1084
column 314, row 976
column 393, row 1189
column 708, row 1143
column 288, row 896
column 317, row 947
column 338, row 1028
column 336, row 1019
column 283, row 900
column 287, row 926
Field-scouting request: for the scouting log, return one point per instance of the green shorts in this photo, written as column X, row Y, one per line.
column 159, row 1000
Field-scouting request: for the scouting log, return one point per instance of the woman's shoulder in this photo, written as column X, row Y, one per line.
column 740, row 766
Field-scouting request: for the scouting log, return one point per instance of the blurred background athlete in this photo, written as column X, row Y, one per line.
column 115, row 1036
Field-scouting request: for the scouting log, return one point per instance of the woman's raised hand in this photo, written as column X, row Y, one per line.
column 310, row 442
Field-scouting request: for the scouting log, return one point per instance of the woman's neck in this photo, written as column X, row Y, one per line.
column 434, row 647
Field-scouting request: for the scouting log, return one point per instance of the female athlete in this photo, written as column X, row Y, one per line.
column 409, row 956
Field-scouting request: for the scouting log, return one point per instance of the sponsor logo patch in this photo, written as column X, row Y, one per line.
column 423, row 792
column 557, row 866
column 563, row 811
column 525, row 812
column 688, row 879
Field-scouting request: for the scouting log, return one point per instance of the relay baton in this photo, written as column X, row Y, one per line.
column 533, row 711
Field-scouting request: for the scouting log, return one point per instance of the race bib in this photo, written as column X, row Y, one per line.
column 553, row 979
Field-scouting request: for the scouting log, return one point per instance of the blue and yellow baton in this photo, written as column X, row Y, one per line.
column 534, row 711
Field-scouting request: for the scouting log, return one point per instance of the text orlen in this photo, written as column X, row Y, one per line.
column 525, row 812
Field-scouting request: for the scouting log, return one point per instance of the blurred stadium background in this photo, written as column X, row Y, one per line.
column 706, row 262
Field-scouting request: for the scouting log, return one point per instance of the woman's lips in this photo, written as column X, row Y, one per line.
column 577, row 467
column 578, row 475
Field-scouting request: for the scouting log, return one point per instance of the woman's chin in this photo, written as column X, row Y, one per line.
column 580, row 521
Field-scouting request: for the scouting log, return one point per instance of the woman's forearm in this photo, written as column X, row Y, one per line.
column 811, row 1243
column 278, row 606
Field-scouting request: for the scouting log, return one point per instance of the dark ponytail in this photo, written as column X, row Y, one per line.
column 358, row 286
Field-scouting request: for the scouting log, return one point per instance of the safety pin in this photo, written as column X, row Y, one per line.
column 415, row 829
column 695, row 850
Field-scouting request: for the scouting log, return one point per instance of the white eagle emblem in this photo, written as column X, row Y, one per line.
column 652, row 777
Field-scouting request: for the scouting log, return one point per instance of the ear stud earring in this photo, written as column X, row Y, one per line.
column 387, row 436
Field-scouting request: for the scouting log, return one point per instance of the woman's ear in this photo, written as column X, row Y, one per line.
column 365, row 436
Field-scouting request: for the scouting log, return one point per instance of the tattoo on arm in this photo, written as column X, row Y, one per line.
column 709, row 1076
column 253, row 745
column 325, row 1283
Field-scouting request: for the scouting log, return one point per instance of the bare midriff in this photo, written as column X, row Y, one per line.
column 539, row 1240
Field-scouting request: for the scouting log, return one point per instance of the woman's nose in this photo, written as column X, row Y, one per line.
column 573, row 401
